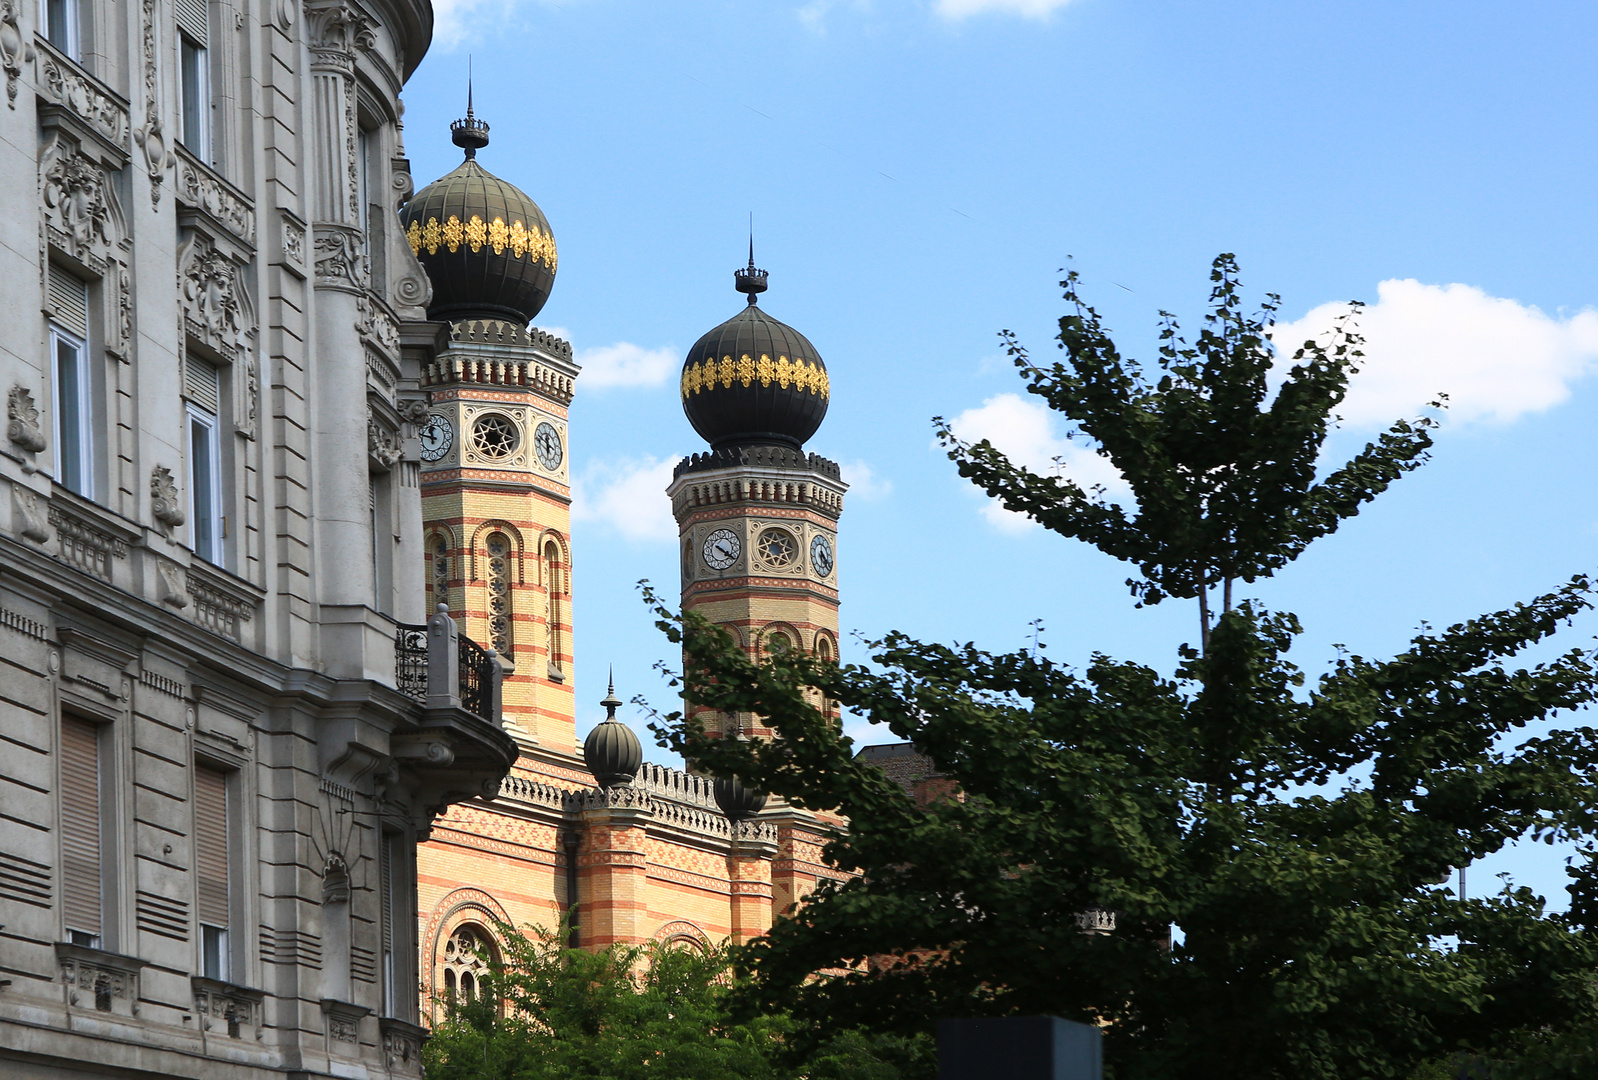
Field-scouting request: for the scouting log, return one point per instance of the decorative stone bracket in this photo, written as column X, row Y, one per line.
column 343, row 1020
column 402, row 1044
column 227, row 1009
column 22, row 420
column 98, row 980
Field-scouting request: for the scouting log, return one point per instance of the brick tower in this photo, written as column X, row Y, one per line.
column 495, row 482
column 757, row 522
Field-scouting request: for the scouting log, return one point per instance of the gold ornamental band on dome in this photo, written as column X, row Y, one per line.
column 475, row 233
column 801, row 374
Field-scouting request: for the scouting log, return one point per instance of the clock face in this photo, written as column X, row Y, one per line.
column 721, row 549
column 821, row 555
column 437, row 437
column 546, row 440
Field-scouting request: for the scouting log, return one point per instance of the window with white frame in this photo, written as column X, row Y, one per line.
column 72, row 388
column 207, row 524
column 194, row 72
column 60, row 21
column 214, row 867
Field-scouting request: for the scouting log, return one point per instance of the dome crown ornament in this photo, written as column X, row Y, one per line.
column 487, row 248
column 612, row 752
column 753, row 380
column 469, row 133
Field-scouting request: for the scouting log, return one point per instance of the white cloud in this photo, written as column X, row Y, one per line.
column 626, row 364
column 628, row 496
column 1025, row 432
column 1031, row 9
column 863, row 481
column 1496, row 359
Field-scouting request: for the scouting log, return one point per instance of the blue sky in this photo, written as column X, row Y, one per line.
column 918, row 172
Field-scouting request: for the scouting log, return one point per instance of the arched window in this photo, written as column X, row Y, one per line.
column 778, row 641
column 499, row 604
column 823, row 649
column 552, row 615
column 438, row 556
column 466, row 958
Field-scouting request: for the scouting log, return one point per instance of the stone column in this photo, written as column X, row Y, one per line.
column 749, row 858
column 613, row 868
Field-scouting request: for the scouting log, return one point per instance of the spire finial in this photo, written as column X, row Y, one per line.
column 750, row 281
column 470, row 134
column 611, row 702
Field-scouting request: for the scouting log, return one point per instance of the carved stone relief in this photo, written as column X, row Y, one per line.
column 151, row 137
column 81, row 210
column 377, row 326
column 294, row 242
column 199, row 187
column 339, row 27
column 173, row 593
column 32, row 520
column 63, row 84
column 340, row 262
column 22, row 421
column 13, row 49
column 217, row 309
column 383, row 446
column 165, row 506
column 85, row 545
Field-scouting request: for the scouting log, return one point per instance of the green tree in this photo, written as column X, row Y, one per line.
column 1294, row 834
column 547, row 1012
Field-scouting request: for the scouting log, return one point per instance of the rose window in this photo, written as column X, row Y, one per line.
column 495, row 437
column 776, row 547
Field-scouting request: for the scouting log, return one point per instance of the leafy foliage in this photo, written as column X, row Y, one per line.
column 1225, row 483
column 546, row 1012
column 1295, row 831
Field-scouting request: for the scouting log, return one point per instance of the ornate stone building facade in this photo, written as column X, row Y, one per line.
column 623, row 852
column 228, row 716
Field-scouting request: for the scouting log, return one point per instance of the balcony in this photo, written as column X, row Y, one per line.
column 438, row 667
column 460, row 745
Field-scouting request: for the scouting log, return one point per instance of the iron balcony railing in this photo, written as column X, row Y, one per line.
column 477, row 671
column 410, row 660
column 437, row 666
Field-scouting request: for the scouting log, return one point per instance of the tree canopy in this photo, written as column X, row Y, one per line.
column 1295, row 832
column 547, row 1012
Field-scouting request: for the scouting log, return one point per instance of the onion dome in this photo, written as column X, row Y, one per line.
column 754, row 381
column 486, row 246
column 737, row 801
column 611, row 751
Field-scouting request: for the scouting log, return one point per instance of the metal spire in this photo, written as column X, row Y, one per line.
column 611, row 702
column 470, row 134
column 750, row 281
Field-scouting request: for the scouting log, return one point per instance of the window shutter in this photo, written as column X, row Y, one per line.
column 80, row 824
column 202, row 384
column 69, row 301
column 210, row 844
column 195, row 21
column 390, row 879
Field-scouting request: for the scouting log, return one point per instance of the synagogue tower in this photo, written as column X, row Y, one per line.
column 757, row 517
column 495, row 480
